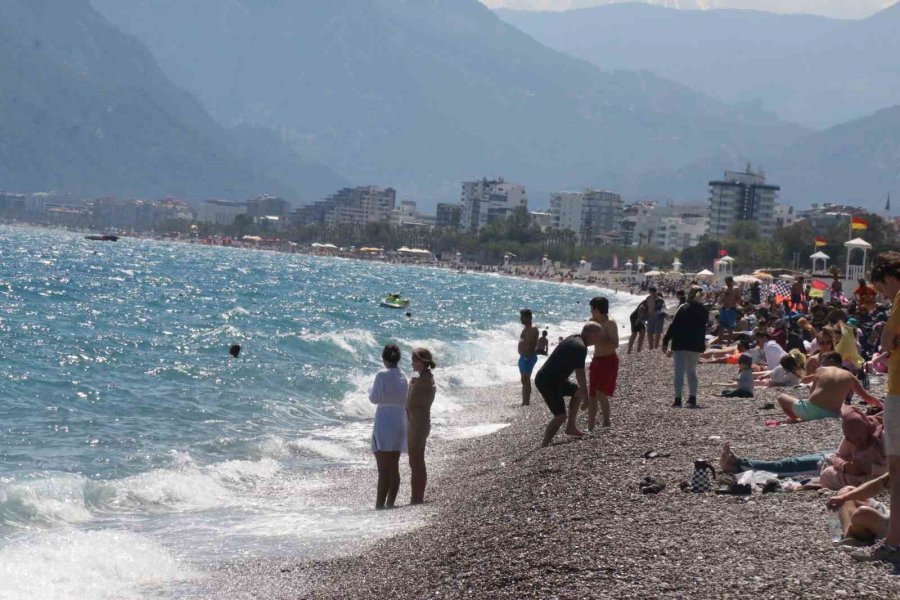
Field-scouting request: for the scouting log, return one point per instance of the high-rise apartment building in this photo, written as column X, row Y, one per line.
column 485, row 201
column 592, row 214
column 355, row 206
column 741, row 197
column 447, row 215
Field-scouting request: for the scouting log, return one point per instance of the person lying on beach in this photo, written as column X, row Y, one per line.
column 728, row 355
column 859, row 458
column 831, row 385
column 552, row 380
column 787, row 374
column 744, row 381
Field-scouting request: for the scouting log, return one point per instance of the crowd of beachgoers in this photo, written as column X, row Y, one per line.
column 827, row 356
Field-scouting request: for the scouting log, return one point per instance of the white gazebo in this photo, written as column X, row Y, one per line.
column 820, row 263
column 584, row 269
column 640, row 265
column 546, row 266
column 459, row 259
column 725, row 267
column 676, row 265
column 857, row 269
column 629, row 266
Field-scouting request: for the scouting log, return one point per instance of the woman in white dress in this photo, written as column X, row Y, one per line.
column 388, row 393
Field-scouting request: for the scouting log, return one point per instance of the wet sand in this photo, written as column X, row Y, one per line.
column 509, row 520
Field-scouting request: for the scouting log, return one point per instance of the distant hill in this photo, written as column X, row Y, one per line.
column 853, row 163
column 836, row 9
column 808, row 70
column 85, row 109
column 423, row 94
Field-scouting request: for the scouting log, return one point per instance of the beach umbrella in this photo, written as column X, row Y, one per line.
column 653, row 273
column 705, row 273
column 746, row 279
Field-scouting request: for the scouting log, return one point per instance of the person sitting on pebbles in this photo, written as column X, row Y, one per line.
column 864, row 519
column 860, row 457
column 831, row 385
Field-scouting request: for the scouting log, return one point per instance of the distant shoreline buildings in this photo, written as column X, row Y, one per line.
column 594, row 217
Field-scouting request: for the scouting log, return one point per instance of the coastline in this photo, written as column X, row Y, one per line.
column 508, row 520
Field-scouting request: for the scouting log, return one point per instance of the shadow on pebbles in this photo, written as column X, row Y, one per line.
column 510, row 520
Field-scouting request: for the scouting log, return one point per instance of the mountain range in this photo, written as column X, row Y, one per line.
column 810, row 70
column 85, row 110
column 241, row 97
column 423, row 94
column 839, row 9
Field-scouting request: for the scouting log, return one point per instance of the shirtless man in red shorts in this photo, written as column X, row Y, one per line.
column 605, row 365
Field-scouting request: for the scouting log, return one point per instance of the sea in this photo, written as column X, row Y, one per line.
column 136, row 454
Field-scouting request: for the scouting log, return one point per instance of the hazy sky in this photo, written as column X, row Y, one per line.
column 842, row 9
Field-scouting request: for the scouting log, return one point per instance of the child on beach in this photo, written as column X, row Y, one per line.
column 745, row 379
column 389, row 393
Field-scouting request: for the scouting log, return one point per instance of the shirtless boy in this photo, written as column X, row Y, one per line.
column 527, row 352
column 605, row 364
column 830, row 387
column 552, row 380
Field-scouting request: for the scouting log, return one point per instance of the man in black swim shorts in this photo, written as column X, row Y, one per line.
column 552, row 380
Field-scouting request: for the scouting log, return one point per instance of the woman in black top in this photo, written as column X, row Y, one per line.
column 687, row 334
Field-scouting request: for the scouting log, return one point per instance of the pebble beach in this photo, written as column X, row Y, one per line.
column 506, row 519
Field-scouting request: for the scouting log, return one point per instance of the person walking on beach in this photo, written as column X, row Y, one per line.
column 418, row 414
column 389, row 393
column 638, row 319
column 687, row 334
column 656, row 321
column 553, row 382
column 604, row 369
column 729, row 298
column 528, row 342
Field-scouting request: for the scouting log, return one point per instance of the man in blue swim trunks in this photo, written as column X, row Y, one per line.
column 729, row 299
column 528, row 342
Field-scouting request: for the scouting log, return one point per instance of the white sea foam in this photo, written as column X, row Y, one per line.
column 351, row 340
column 46, row 502
column 92, row 565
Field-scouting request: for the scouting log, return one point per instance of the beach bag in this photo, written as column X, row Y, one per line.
column 703, row 478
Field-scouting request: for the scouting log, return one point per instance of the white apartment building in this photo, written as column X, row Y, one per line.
column 678, row 233
column 784, row 215
column 671, row 227
column 220, row 212
column 591, row 214
column 741, row 197
column 485, row 201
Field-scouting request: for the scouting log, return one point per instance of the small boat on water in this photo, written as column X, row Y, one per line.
column 102, row 238
column 395, row 301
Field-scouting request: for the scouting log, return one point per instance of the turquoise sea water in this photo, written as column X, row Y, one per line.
column 134, row 451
